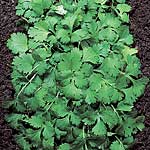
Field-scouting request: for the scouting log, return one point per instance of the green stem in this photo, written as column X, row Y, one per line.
column 25, row 19
column 119, row 141
column 26, row 85
column 115, row 111
column 127, row 76
column 86, row 148
column 32, row 70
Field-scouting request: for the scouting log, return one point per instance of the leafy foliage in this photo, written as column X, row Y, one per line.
column 75, row 75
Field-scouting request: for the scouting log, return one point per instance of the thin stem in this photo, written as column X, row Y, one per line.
column 50, row 104
column 32, row 70
column 115, row 111
column 26, row 85
column 120, row 141
column 25, row 19
column 127, row 76
column 86, row 148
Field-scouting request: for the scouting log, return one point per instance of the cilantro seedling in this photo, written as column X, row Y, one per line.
column 75, row 75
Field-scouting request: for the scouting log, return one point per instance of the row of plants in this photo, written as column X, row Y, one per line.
column 75, row 75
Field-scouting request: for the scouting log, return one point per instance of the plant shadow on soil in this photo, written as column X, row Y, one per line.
column 140, row 28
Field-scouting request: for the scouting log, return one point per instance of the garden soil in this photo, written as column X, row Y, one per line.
column 140, row 28
column 8, row 21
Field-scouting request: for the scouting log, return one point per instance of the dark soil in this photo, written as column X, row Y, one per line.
column 140, row 27
column 8, row 25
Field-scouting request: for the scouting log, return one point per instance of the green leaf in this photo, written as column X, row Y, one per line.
column 72, row 91
column 139, row 86
column 48, row 131
column 125, row 36
column 80, row 81
column 42, row 67
column 63, row 35
column 30, row 89
column 123, row 8
column 60, row 133
column 39, row 5
column 111, row 65
column 104, row 49
column 13, row 119
column 93, row 29
column 128, row 51
column 91, row 55
column 41, row 54
column 140, row 126
column 49, row 143
column 23, row 142
column 60, row 109
column 71, row 61
column 22, row 7
column 109, row 20
column 24, row 63
column 116, row 146
column 39, row 32
column 18, row 43
column 110, row 117
column 79, row 35
column 35, row 135
column 125, row 17
column 89, row 117
column 108, row 34
column 69, row 21
column 30, row 15
column 128, row 126
column 51, row 21
column 99, row 128
column 41, row 93
column 33, row 44
column 63, row 123
column 75, row 119
column 133, row 67
column 86, row 69
column 124, row 107
column 90, row 97
column 64, row 146
column 35, row 121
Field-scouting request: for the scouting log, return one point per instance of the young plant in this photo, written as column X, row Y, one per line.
column 75, row 76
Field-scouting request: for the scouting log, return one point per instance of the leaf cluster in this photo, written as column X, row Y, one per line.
column 75, row 76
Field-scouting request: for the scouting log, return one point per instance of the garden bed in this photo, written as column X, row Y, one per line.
column 140, row 27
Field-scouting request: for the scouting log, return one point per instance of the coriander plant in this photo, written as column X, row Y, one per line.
column 75, row 75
